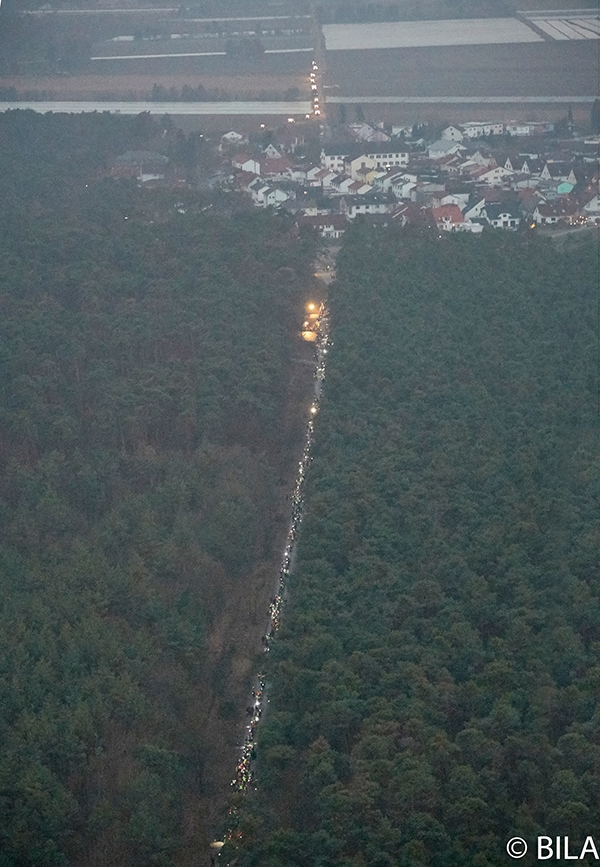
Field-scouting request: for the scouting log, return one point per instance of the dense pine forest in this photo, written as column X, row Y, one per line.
column 145, row 346
column 434, row 689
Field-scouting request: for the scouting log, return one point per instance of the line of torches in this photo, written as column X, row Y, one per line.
column 244, row 776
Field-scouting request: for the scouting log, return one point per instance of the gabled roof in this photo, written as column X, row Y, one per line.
column 493, row 211
column 343, row 149
column 565, row 206
column 274, row 165
column 321, row 221
column 448, row 213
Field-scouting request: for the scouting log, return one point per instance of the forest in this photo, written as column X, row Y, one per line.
column 434, row 686
column 146, row 340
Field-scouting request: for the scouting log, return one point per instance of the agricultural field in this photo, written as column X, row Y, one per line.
column 409, row 34
column 535, row 69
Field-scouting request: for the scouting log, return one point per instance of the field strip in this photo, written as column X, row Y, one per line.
column 558, row 13
column 252, row 18
column 413, row 34
column 561, row 28
column 458, row 100
column 155, row 56
column 96, row 11
column 180, row 108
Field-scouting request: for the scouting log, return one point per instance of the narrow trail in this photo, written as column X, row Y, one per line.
column 244, row 779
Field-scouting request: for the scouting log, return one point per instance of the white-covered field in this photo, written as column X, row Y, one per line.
column 578, row 27
column 413, row 34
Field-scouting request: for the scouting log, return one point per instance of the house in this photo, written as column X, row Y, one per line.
column 443, row 148
column 473, row 210
column 246, row 163
column 452, row 133
column 459, row 199
column 448, row 218
column 298, row 174
column 501, row 216
column 562, row 210
column 341, row 184
column 409, row 213
column 143, row 165
column 451, row 164
column 404, row 188
column 429, row 194
column 354, row 206
column 388, row 158
column 476, row 129
column 366, row 175
column 272, row 152
column 358, row 188
column 275, row 168
column 558, row 172
column 494, row 176
column 263, row 194
column 320, row 177
column 353, row 166
column 529, row 199
column 365, row 132
column 333, row 158
column 327, row 225
column 232, row 138
column 384, row 180
column 274, row 196
column 591, row 207
column 513, row 127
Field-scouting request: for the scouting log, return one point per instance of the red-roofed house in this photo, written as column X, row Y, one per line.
column 448, row 218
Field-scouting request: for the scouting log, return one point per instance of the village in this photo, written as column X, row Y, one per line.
column 473, row 175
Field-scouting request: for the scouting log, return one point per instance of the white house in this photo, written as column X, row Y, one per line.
column 404, row 188
column 477, row 128
column 443, row 148
column 514, row 127
column 494, row 176
column 352, row 207
column 232, row 138
column 333, row 159
column 388, row 158
column 246, row 164
column 474, row 211
column 452, row 133
column 459, row 199
column 327, row 225
column 264, row 194
column 272, row 152
column 365, row 132
column 591, row 209
column 501, row 216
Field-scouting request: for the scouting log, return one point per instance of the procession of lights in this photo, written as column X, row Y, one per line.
column 244, row 775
